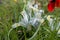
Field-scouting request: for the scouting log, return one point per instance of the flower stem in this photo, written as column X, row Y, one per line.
column 35, row 33
column 9, row 33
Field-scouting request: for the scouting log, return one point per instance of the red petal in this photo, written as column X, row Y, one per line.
column 57, row 3
column 51, row 6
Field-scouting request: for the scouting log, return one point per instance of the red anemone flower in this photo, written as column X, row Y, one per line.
column 52, row 4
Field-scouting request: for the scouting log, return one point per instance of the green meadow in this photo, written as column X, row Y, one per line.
column 48, row 28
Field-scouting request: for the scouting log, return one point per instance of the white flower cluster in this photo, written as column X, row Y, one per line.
column 51, row 24
column 35, row 20
column 27, row 16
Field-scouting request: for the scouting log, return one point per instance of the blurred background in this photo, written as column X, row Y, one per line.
column 10, row 13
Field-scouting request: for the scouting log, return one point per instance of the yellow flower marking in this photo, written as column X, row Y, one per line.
column 59, row 31
column 15, row 25
column 42, row 20
column 48, row 17
column 15, row 0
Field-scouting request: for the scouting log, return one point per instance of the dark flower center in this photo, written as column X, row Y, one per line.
column 53, row 0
